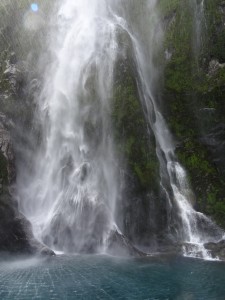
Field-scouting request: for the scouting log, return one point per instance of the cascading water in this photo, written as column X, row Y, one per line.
column 199, row 25
column 188, row 226
column 71, row 195
column 70, row 199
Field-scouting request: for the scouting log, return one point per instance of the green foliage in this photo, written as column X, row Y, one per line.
column 166, row 7
column 219, row 211
column 215, row 29
column 204, row 177
column 178, row 40
column 131, row 136
column 195, row 96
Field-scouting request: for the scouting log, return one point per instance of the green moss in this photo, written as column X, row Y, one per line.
column 130, row 128
column 194, row 98
column 215, row 44
column 166, row 7
column 219, row 211
column 178, row 39
column 203, row 176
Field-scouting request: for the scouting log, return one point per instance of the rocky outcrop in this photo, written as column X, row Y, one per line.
column 16, row 108
column 193, row 96
column 214, row 67
column 8, row 159
column 215, row 142
column 141, row 210
column 15, row 230
column 119, row 245
column 217, row 250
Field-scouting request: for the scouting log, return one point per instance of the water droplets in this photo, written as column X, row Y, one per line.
column 34, row 7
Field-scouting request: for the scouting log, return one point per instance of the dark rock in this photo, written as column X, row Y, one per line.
column 32, row 245
column 215, row 142
column 47, row 252
column 214, row 67
column 215, row 246
column 7, row 152
column 119, row 245
column 217, row 250
column 15, row 230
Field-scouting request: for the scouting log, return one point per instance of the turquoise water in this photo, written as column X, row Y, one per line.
column 104, row 277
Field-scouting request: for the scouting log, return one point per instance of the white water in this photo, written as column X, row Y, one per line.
column 173, row 176
column 199, row 25
column 71, row 195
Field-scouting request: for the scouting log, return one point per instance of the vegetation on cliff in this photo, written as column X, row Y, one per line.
column 193, row 96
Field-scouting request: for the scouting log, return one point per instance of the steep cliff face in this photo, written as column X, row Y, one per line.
column 142, row 215
column 15, row 230
column 192, row 101
column 12, row 230
column 15, row 113
column 193, row 105
column 194, row 95
column 13, row 225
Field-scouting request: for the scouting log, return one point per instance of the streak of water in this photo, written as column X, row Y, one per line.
column 186, row 226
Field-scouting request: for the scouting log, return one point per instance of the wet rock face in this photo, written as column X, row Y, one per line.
column 194, row 100
column 217, row 250
column 214, row 67
column 15, row 230
column 119, row 245
column 215, row 142
column 6, row 150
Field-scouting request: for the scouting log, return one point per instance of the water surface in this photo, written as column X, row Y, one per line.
column 104, row 277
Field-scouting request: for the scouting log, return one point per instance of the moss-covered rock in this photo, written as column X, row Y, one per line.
column 194, row 98
column 142, row 209
column 131, row 133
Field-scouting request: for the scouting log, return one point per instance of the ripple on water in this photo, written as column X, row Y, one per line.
column 103, row 277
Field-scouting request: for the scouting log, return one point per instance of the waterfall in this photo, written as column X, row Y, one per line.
column 71, row 195
column 186, row 225
column 199, row 25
